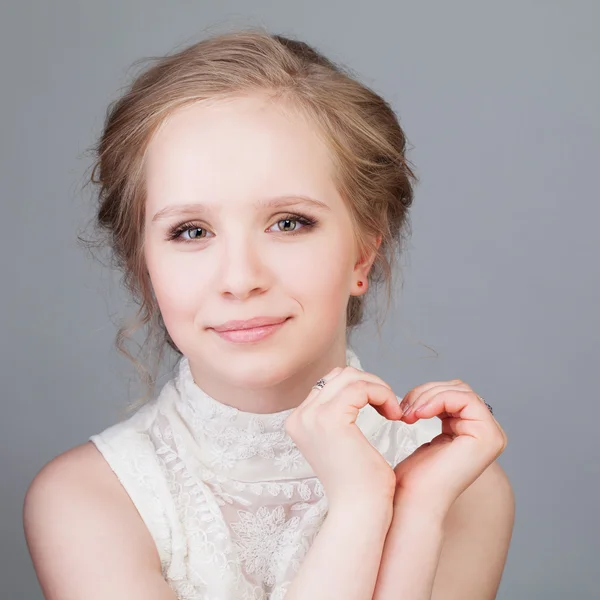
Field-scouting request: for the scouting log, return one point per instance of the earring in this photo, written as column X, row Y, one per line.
column 359, row 283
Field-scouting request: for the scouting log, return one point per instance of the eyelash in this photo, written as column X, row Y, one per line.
column 177, row 230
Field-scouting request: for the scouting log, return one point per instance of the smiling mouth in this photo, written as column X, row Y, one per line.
column 250, row 334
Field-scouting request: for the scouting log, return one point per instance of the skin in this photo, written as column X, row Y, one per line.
column 453, row 497
column 228, row 156
column 84, row 534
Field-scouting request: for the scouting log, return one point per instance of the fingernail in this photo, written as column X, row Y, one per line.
column 423, row 406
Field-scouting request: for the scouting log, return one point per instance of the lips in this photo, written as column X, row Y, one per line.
column 248, row 324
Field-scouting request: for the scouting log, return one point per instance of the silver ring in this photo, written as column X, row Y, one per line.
column 320, row 384
column 489, row 407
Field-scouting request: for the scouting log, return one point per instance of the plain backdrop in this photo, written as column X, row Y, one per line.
column 500, row 102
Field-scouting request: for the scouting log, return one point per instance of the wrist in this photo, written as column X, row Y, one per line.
column 418, row 521
column 416, row 509
column 369, row 511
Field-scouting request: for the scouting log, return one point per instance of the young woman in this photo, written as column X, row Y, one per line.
column 251, row 192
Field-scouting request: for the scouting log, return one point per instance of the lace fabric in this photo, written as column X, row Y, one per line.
column 230, row 501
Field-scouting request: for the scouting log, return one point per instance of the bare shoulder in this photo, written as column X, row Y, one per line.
column 478, row 531
column 493, row 487
column 487, row 504
column 85, row 536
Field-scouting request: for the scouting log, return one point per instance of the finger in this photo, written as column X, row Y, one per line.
column 314, row 392
column 421, row 393
column 430, row 391
column 450, row 403
column 480, row 431
column 454, row 426
column 357, row 394
column 347, row 376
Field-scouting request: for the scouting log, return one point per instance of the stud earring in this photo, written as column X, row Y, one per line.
column 359, row 283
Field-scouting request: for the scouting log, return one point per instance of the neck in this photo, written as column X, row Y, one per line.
column 286, row 394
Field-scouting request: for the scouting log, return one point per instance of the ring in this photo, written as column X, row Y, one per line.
column 320, row 384
column 489, row 407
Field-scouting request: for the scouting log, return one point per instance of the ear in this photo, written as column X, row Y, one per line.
column 362, row 268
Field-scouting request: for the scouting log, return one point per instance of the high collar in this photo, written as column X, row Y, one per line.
column 245, row 446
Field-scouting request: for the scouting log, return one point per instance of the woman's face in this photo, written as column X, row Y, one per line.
column 243, row 221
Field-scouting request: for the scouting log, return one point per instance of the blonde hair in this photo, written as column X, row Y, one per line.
column 360, row 128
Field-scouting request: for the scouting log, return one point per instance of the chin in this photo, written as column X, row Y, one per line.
column 259, row 370
column 253, row 365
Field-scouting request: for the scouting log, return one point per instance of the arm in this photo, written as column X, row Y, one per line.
column 410, row 555
column 476, row 536
column 344, row 558
column 479, row 529
column 85, row 536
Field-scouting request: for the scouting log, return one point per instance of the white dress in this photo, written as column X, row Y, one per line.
column 231, row 503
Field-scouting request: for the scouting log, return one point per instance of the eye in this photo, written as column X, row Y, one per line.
column 198, row 232
column 294, row 223
column 288, row 224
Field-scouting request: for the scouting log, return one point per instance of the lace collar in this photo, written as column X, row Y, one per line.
column 244, row 446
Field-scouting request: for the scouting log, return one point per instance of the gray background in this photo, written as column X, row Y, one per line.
column 500, row 102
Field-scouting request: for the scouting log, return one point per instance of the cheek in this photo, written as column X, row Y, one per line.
column 319, row 273
column 177, row 291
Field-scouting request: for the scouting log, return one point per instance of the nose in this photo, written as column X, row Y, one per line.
column 243, row 272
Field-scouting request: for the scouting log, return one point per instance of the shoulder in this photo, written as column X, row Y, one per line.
column 84, row 534
column 77, row 474
column 490, row 495
column 477, row 535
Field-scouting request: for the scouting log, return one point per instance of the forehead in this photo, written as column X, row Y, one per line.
column 237, row 149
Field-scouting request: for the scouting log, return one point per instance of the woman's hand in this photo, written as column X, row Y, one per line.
column 439, row 471
column 353, row 473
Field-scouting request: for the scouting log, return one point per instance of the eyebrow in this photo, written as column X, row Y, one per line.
column 276, row 202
